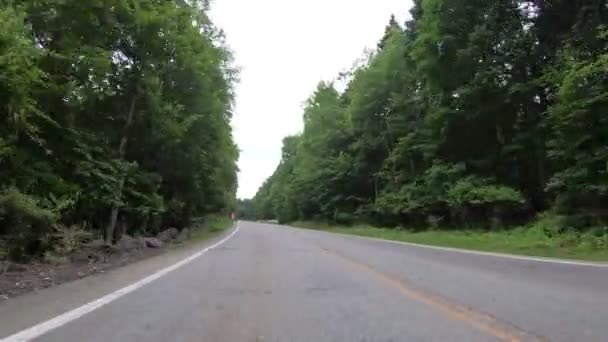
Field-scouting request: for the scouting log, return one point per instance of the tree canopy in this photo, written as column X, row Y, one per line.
column 115, row 114
column 472, row 112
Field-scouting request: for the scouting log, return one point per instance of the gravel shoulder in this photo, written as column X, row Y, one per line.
column 78, row 289
column 20, row 279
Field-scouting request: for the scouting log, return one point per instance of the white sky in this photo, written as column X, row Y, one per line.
column 284, row 48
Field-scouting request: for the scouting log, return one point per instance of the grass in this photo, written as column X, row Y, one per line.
column 531, row 240
column 212, row 226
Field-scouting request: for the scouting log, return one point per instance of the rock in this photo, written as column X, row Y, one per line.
column 13, row 267
column 96, row 244
column 153, row 242
column 112, row 249
column 95, row 250
column 184, row 235
column 89, row 255
column 129, row 243
column 79, row 257
column 83, row 256
column 168, row 235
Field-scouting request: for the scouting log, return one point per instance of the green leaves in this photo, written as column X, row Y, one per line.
column 23, row 223
column 473, row 192
column 116, row 104
column 477, row 111
column 580, row 125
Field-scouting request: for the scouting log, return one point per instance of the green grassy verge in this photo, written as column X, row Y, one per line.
column 532, row 240
column 211, row 226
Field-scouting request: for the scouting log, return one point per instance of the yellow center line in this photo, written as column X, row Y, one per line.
column 480, row 321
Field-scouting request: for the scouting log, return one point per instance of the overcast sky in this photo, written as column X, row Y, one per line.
column 284, row 48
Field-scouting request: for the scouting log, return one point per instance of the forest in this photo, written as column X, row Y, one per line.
column 473, row 113
column 114, row 119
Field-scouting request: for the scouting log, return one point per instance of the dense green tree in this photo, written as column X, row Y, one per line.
column 580, row 126
column 473, row 112
column 117, row 114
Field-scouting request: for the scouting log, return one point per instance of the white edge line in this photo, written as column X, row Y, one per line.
column 469, row 251
column 498, row 255
column 54, row 323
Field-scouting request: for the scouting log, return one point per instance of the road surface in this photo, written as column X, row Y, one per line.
column 274, row 283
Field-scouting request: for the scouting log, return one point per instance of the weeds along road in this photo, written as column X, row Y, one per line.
column 274, row 283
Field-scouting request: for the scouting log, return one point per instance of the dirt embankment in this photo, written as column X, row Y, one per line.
column 93, row 258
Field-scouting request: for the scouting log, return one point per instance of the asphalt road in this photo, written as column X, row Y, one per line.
column 274, row 283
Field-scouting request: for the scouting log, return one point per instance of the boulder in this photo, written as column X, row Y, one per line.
column 88, row 256
column 129, row 243
column 7, row 266
column 168, row 235
column 153, row 243
column 95, row 245
column 92, row 252
column 184, row 235
column 13, row 267
column 81, row 257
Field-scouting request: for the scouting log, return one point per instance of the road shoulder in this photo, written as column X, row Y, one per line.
column 25, row 311
column 395, row 240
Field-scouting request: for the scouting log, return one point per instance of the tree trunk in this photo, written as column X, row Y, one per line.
column 109, row 234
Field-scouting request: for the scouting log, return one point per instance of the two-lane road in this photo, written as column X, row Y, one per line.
column 274, row 283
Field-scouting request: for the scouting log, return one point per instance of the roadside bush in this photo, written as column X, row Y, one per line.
column 474, row 199
column 434, row 222
column 23, row 224
column 63, row 240
column 344, row 218
column 597, row 237
column 562, row 231
column 444, row 195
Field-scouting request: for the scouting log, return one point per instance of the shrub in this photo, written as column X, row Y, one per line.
column 343, row 218
column 63, row 240
column 23, row 224
column 470, row 191
column 478, row 199
column 434, row 222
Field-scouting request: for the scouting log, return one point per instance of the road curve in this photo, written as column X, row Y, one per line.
column 275, row 283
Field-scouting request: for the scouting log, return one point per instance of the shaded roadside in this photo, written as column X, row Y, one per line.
column 96, row 257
